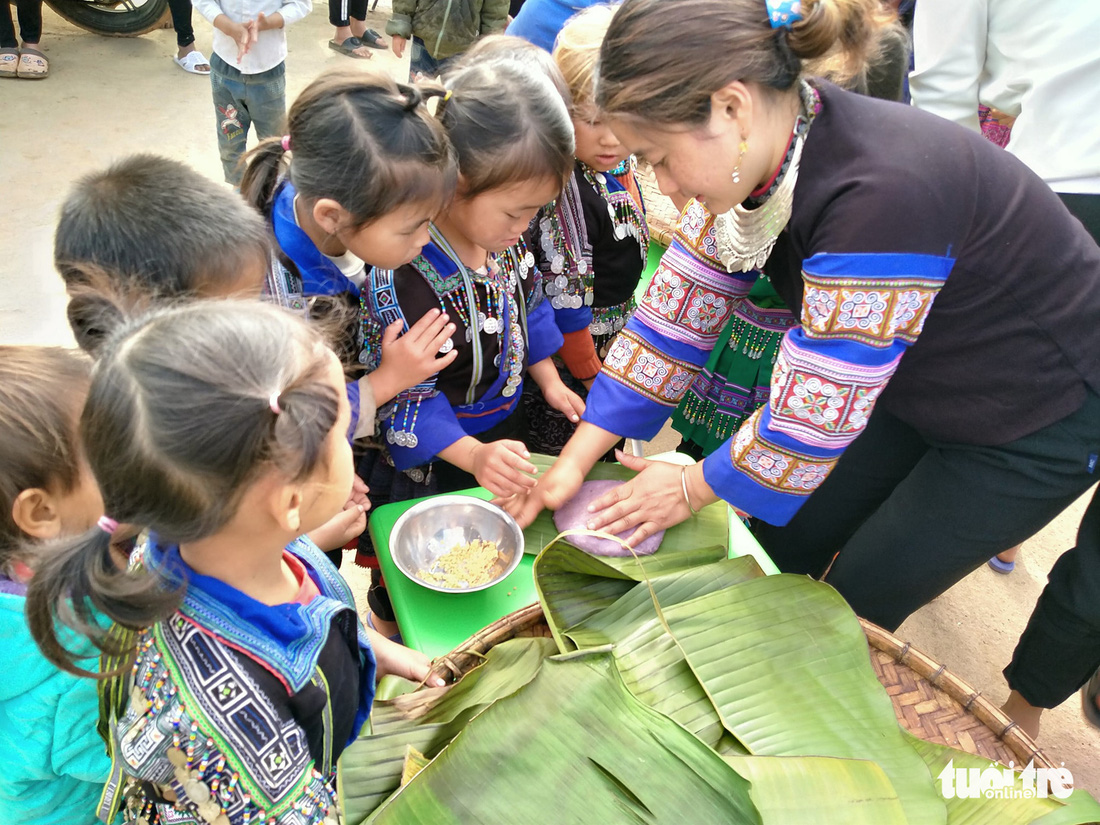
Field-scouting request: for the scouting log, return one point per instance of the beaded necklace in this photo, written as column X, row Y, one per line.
column 626, row 214
column 564, row 243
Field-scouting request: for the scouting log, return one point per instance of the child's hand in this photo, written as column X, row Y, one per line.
column 245, row 34
column 398, row 44
column 564, row 400
column 501, row 467
column 347, row 524
column 411, row 358
column 402, row 661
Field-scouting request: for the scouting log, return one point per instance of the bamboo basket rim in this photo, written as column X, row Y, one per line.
column 472, row 652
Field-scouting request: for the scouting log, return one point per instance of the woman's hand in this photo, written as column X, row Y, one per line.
column 413, row 357
column 399, row 660
column 651, row 501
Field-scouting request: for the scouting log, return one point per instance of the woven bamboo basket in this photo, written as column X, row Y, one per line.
column 660, row 212
column 929, row 701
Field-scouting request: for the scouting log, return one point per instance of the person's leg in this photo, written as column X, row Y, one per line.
column 267, row 101
column 1059, row 650
column 349, row 19
column 185, row 33
column 864, row 477
column 9, row 45
column 30, row 21
column 231, row 116
column 420, row 62
column 960, row 506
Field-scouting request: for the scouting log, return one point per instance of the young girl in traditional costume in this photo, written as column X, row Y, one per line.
column 368, row 168
column 250, row 670
column 463, row 427
column 592, row 242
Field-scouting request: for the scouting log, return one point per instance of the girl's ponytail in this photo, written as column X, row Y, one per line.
column 264, row 166
column 76, row 585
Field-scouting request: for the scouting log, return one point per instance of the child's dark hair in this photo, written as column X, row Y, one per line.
column 361, row 139
column 507, row 122
column 177, row 424
column 510, row 47
column 156, row 225
column 41, row 392
column 661, row 61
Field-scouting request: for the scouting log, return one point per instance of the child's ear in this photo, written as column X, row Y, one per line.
column 35, row 513
column 288, row 511
column 330, row 215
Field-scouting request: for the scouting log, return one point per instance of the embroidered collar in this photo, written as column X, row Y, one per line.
column 285, row 638
column 320, row 275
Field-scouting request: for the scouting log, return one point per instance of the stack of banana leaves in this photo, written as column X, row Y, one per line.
column 682, row 688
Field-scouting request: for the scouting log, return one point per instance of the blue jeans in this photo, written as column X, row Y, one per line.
column 243, row 100
column 421, row 62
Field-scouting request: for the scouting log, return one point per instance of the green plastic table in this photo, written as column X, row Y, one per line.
column 436, row 623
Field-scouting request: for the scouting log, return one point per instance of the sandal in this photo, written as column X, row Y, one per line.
column 1004, row 567
column 373, row 39
column 349, row 46
column 9, row 62
column 1090, row 697
column 193, row 63
column 33, row 65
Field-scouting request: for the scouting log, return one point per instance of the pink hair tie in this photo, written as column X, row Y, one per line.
column 107, row 524
column 273, row 402
column 286, row 143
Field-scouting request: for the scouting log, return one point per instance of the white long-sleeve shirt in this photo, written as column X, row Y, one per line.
column 270, row 49
column 1038, row 60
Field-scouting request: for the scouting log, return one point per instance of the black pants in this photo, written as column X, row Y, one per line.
column 340, row 12
column 30, row 23
column 1086, row 208
column 181, row 22
column 907, row 517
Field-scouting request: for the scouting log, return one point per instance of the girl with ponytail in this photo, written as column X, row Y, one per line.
column 250, row 671
column 353, row 185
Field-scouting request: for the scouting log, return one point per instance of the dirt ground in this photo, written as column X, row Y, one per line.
column 107, row 98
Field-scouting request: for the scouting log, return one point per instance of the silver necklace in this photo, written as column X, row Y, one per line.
column 746, row 237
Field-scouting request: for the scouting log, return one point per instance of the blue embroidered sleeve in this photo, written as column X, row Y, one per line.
column 543, row 336
column 572, row 320
column 353, row 400
column 860, row 313
column 432, row 421
column 650, row 365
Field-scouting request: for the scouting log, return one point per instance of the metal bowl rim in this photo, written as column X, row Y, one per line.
column 431, row 503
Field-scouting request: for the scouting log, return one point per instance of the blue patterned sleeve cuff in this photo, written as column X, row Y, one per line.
column 572, row 320
column 353, row 400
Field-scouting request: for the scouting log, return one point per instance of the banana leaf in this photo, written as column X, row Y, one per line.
column 821, row 790
column 1078, row 809
column 573, row 585
column 710, row 527
column 651, row 664
column 784, row 661
column 572, row 746
column 370, row 768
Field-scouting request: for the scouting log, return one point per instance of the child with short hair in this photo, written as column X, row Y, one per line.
column 593, row 239
column 156, row 226
column 463, row 427
column 251, row 671
column 55, row 761
column 441, row 32
column 248, row 70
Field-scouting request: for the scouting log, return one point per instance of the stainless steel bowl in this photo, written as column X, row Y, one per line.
column 431, row 528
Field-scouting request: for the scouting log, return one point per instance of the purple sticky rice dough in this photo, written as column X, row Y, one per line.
column 574, row 516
